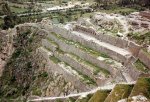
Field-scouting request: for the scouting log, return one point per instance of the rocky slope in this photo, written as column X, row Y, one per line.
column 24, row 69
column 133, row 92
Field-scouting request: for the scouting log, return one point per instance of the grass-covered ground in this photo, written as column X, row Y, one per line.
column 83, row 99
column 18, row 10
column 140, row 66
column 1, row 21
column 99, row 96
column 142, row 87
column 121, row 10
column 121, row 91
column 140, row 38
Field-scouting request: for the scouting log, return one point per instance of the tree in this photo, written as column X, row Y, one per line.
column 5, row 9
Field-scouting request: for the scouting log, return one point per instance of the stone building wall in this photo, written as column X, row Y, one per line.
column 145, row 14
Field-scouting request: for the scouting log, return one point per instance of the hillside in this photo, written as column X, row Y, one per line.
column 76, row 52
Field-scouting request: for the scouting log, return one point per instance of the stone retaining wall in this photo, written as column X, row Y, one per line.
column 74, row 64
column 97, row 78
column 145, row 58
column 72, row 49
column 67, row 34
column 68, row 76
column 131, row 46
column 116, row 41
column 53, row 68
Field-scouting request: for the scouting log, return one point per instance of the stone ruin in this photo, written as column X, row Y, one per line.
column 80, row 48
column 125, row 60
column 145, row 14
column 140, row 20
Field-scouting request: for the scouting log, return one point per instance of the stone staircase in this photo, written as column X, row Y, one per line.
column 123, row 92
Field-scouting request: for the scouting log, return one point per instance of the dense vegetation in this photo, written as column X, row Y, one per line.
column 19, row 71
column 124, row 2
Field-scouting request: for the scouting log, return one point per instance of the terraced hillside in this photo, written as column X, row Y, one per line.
column 73, row 61
column 89, row 61
column 91, row 66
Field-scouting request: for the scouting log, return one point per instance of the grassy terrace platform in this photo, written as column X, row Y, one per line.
column 146, row 52
column 142, row 87
column 18, row 10
column 121, row 91
column 100, row 96
column 140, row 66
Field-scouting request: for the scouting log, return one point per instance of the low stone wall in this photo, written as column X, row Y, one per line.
column 89, row 30
column 49, row 45
column 145, row 58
